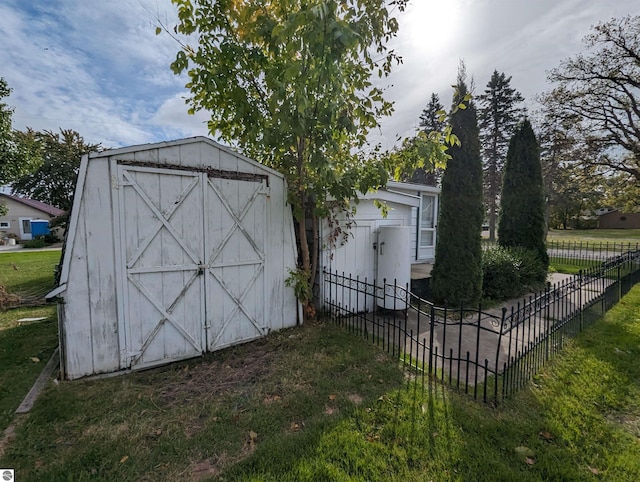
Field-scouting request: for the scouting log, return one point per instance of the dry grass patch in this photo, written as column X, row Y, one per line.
column 195, row 420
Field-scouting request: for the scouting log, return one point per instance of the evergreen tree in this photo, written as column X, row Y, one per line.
column 457, row 274
column 431, row 117
column 522, row 209
column 431, row 120
column 499, row 115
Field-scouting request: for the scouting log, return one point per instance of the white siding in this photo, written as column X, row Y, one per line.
column 357, row 257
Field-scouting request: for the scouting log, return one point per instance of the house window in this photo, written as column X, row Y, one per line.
column 26, row 226
column 427, row 221
column 5, row 224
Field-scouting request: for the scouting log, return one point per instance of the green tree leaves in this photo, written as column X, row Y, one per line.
column 289, row 84
column 58, row 157
column 598, row 93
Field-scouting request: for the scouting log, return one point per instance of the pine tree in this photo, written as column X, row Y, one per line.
column 431, row 119
column 521, row 220
column 499, row 115
column 457, row 274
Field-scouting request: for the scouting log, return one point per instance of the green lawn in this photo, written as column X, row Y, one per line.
column 28, row 272
column 316, row 403
column 571, row 266
column 595, row 235
column 25, row 347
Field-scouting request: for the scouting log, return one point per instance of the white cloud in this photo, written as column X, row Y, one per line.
column 173, row 118
column 522, row 39
column 99, row 68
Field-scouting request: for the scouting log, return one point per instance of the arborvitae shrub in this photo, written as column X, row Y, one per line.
column 457, row 273
column 522, row 208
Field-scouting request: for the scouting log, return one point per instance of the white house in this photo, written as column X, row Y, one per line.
column 424, row 219
column 412, row 206
column 174, row 249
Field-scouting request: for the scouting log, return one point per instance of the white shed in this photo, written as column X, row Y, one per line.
column 174, row 249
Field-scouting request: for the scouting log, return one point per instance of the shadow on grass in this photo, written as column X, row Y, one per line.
column 579, row 419
column 317, row 404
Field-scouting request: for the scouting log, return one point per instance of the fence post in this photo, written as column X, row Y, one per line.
column 498, row 350
column 619, row 284
column 580, row 306
column 431, row 328
column 547, row 322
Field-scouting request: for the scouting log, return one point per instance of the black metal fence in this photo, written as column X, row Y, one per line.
column 581, row 254
column 586, row 253
column 491, row 353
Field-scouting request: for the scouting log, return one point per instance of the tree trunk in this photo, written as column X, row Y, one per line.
column 492, row 219
column 315, row 244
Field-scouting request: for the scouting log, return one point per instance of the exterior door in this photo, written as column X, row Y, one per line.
column 235, row 242
column 161, row 229
column 25, row 229
column 427, row 227
column 193, row 250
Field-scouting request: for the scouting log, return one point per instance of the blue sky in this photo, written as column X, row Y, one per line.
column 98, row 67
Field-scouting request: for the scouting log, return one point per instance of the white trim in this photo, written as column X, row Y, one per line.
column 56, row 291
column 73, row 221
column 181, row 142
column 5, row 224
column 407, row 186
column 393, row 196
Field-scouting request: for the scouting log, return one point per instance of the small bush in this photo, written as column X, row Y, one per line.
column 37, row 242
column 511, row 272
column 51, row 239
column 499, row 274
column 532, row 271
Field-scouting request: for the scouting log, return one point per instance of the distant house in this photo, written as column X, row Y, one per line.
column 618, row 220
column 21, row 212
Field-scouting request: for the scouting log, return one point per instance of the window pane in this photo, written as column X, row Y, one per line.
column 426, row 238
column 426, row 217
column 26, row 226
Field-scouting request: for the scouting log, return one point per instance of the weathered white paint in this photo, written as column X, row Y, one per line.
column 174, row 249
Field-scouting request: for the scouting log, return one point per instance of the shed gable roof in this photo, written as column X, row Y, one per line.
column 182, row 142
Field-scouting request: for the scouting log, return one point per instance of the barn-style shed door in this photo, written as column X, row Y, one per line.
column 235, row 246
column 161, row 219
column 193, row 263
